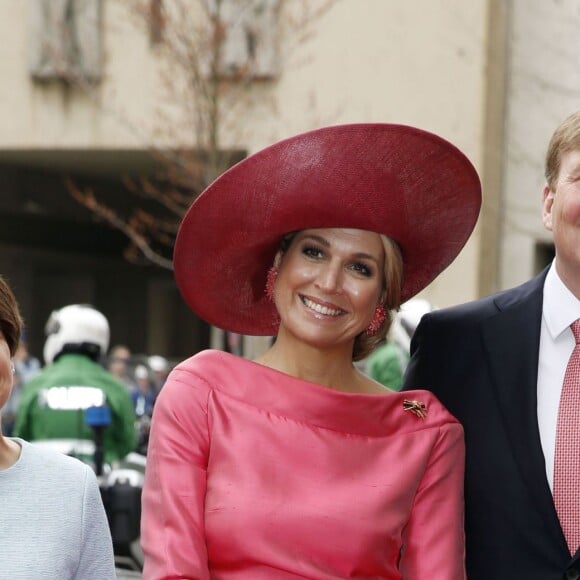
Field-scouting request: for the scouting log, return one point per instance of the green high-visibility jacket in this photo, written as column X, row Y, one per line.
column 53, row 405
column 387, row 365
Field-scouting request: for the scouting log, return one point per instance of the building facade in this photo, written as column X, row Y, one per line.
column 89, row 96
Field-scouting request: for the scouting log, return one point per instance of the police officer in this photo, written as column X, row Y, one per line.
column 53, row 404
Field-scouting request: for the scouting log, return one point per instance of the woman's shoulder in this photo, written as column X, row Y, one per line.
column 52, row 463
column 214, row 367
column 207, row 359
column 208, row 371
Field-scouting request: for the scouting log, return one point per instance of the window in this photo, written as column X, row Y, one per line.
column 65, row 39
column 250, row 47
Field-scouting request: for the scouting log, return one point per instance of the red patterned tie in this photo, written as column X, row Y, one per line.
column 567, row 460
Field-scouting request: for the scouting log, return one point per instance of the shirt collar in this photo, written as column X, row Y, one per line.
column 561, row 308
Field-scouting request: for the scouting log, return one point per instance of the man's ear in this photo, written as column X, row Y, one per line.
column 548, row 202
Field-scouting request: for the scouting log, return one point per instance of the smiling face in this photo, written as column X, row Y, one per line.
column 329, row 284
column 561, row 215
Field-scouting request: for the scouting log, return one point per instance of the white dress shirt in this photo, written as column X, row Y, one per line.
column 560, row 309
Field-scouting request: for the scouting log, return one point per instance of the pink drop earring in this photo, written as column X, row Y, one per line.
column 377, row 321
column 270, row 282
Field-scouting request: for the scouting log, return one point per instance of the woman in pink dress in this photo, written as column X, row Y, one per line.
column 297, row 465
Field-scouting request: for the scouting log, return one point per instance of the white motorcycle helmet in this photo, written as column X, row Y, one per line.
column 407, row 319
column 77, row 328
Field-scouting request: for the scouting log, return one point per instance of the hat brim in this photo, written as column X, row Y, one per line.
column 396, row 180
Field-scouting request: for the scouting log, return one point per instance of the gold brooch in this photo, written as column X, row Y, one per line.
column 416, row 407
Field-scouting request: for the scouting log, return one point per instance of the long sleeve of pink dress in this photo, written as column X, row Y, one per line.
column 254, row 474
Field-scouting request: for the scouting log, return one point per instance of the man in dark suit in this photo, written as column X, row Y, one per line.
column 501, row 366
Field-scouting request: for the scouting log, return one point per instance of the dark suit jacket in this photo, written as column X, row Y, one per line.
column 481, row 360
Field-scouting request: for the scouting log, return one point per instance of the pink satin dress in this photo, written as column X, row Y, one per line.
column 254, row 474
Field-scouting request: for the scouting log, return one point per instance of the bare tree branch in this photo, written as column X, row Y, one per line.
column 190, row 38
column 88, row 199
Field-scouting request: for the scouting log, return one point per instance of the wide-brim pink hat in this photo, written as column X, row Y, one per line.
column 406, row 183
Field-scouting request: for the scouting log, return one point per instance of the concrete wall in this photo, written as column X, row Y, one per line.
column 420, row 63
column 543, row 89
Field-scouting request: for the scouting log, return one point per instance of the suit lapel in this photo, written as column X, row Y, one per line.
column 512, row 341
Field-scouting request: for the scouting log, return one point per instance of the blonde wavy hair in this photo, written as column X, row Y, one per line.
column 391, row 299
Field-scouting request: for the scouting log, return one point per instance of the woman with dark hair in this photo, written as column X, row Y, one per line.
column 52, row 516
column 296, row 464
